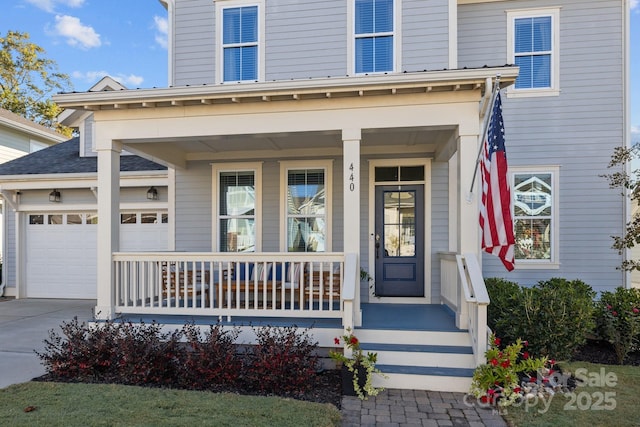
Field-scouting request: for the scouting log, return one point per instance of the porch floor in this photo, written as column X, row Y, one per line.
column 411, row 317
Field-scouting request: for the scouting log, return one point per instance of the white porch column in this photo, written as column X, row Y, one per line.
column 108, row 223
column 468, row 210
column 351, row 203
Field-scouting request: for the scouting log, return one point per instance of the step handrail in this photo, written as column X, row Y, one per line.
column 476, row 299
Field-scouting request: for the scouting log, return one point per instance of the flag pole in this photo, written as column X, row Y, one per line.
column 485, row 129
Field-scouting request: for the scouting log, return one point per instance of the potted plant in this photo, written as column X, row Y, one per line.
column 357, row 367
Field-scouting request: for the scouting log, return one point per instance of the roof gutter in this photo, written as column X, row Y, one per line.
column 289, row 89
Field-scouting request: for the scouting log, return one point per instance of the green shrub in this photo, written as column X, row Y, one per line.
column 506, row 304
column 559, row 316
column 618, row 320
column 555, row 316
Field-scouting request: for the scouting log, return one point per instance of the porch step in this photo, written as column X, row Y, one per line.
column 419, row 359
column 422, row 355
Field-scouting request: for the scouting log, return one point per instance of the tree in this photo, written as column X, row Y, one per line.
column 629, row 183
column 28, row 79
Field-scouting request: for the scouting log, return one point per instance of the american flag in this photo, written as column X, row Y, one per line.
column 495, row 211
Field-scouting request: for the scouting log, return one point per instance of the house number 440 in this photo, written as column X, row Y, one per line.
column 351, row 179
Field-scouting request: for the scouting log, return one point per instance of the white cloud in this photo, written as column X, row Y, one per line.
column 635, row 134
column 49, row 5
column 634, row 4
column 76, row 33
column 161, row 26
column 92, row 77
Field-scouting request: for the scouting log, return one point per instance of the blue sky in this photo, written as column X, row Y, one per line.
column 127, row 39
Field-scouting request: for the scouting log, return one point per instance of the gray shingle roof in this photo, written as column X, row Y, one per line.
column 65, row 158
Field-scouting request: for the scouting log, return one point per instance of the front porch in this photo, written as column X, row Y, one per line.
column 420, row 346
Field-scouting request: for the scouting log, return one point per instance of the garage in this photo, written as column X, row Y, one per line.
column 61, row 249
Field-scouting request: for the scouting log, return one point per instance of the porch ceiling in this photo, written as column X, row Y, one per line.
column 281, row 145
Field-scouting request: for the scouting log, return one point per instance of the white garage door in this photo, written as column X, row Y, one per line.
column 61, row 250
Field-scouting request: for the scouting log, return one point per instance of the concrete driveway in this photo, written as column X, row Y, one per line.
column 24, row 324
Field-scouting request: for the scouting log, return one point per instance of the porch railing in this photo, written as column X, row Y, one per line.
column 314, row 285
column 464, row 291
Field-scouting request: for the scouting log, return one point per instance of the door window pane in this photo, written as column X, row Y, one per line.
column 55, row 219
column 149, row 218
column 129, row 218
column 399, row 223
column 36, row 219
column 74, row 219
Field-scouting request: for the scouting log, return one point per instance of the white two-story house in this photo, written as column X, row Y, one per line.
column 306, row 141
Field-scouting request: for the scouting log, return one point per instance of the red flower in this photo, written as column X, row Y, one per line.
column 494, row 362
column 525, row 355
column 484, row 399
column 506, row 364
column 517, row 390
column 336, row 341
column 496, row 341
column 490, row 392
column 353, row 340
column 635, row 310
column 608, row 306
column 525, row 343
column 552, row 362
column 532, row 379
column 615, row 313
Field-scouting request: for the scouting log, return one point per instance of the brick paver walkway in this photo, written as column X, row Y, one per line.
column 417, row 408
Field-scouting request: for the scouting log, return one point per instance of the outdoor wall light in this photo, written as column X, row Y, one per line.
column 152, row 193
column 54, row 196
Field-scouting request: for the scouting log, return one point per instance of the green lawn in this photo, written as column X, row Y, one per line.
column 58, row 404
column 599, row 404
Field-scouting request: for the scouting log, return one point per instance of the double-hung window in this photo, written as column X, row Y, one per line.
column 306, row 211
column 374, row 36
column 535, row 216
column 237, row 208
column 534, row 48
column 240, row 43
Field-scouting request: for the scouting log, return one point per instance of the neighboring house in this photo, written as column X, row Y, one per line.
column 19, row 136
column 50, row 221
column 311, row 139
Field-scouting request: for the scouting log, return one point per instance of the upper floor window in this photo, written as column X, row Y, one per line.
column 535, row 216
column 240, row 36
column 533, row 46
column 374, row 36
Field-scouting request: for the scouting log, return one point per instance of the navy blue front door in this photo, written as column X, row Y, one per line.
column 399, row 244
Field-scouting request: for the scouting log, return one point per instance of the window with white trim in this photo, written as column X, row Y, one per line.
column 307, row 197
column 240, row 29
column 535, row 216
column 533, row 45
column 237, row 211
column 374, row 36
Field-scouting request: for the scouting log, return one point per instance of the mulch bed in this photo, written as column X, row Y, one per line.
column 596, row 351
